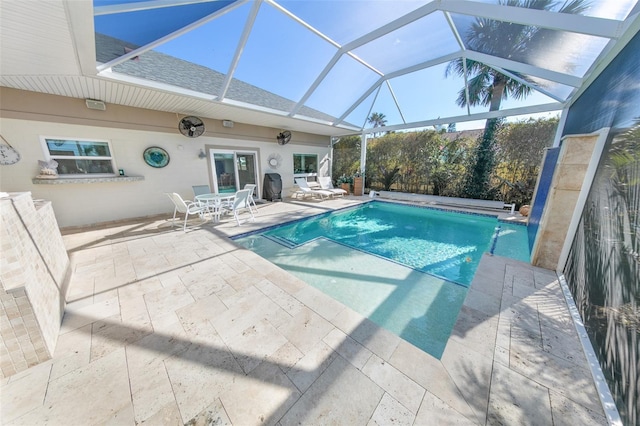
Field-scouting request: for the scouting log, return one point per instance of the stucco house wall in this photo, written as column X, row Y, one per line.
column 26, row 116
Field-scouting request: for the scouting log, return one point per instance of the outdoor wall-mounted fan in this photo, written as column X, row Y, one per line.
column 284, row 137
column 191, row 127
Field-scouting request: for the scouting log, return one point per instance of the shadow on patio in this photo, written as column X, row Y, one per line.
column 176, row 327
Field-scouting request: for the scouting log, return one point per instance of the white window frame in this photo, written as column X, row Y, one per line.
column 305, row 174
column 48, row 156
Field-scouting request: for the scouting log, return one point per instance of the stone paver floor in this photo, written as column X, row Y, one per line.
column 166, row 327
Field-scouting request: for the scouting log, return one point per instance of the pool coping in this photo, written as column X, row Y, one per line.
column 490, row 249
column 450, row 210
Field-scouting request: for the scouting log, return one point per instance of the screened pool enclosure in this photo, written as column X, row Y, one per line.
column 324, row 68
column 336, row 62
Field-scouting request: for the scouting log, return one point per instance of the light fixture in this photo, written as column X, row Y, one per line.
column 202, row 154
column 95, row 104
column 227, row 123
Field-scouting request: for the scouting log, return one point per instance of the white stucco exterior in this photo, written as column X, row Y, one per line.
column 81, row 204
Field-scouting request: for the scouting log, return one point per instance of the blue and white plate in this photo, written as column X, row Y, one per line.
column 156, row 157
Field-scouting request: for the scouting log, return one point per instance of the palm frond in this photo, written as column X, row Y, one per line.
column 575, row 7
column 505, row 40
column 479, row 93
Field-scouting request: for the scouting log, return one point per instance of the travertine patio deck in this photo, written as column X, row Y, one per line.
column 167, row 327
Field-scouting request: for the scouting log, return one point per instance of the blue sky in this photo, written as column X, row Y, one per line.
column 284, row 57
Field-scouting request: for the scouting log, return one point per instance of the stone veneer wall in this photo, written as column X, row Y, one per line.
column 575, row 155
column 33, row 273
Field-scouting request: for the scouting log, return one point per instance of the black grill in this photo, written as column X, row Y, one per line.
column 272, row 187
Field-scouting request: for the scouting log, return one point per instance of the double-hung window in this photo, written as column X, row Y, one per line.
column 80, row 157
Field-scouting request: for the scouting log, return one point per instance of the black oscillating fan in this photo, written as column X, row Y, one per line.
column 191, row 127
column 284, row 137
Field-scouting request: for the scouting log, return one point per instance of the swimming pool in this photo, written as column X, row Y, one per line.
column 406, row 268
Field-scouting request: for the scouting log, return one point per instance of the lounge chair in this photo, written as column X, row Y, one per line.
column 305, row 190
column 186, row 207
column 327, row 185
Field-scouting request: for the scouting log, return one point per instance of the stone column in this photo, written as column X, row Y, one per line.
column 575, row 155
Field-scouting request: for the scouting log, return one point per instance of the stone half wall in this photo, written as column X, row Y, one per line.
column 576, row 153
column 33, row 273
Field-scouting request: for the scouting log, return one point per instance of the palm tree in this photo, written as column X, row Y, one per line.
column 377, row 119
column 488, row 87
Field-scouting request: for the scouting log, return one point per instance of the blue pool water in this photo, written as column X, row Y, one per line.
column 406, row 268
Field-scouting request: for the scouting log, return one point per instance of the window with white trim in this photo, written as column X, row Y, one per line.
column 305, row 163
column 80, row 157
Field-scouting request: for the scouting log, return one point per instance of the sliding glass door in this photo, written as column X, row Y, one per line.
column 246, row 169
column 232, row 170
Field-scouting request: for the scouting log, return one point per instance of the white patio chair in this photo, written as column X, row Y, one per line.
column 252, row 187
column 241, row 201
column 186, row 207
column 201, row 190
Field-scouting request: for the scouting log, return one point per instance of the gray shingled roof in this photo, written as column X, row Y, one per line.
column 162, row 68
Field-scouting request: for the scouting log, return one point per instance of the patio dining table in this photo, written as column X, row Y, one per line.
column 215, row 202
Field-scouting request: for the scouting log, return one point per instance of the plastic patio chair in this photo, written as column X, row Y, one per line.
column 252, row 187
column 201, row 190
column 186, row 207
column 241, row 201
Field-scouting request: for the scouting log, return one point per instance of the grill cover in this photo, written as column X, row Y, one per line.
column 272, row 187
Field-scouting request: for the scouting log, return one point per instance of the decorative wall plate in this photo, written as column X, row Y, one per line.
column 156, row 157
column 274, row 160
column 8, row 155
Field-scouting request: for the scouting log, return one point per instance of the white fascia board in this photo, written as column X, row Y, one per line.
column 313, row 120
column 261, row 109
column 581, row 24
column 349, row 129
column 253, row 107
column 555, row 106
column 154, row 85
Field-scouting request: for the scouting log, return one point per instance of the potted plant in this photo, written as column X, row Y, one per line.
column 345, row 182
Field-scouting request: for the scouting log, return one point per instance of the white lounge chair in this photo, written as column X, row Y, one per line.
column 327, row 185
column 241, row 201
column 306, row 190
column 186, row 207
